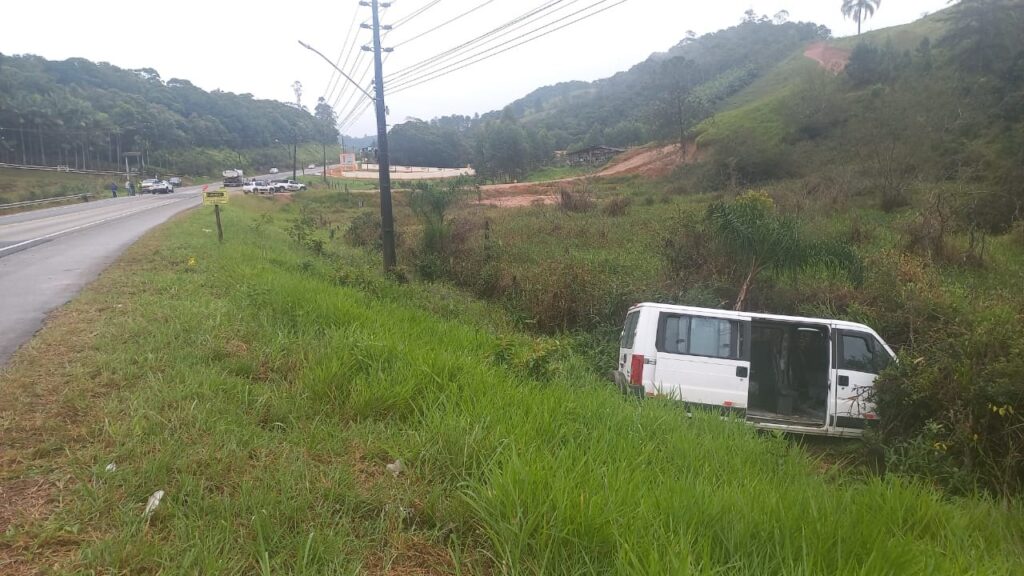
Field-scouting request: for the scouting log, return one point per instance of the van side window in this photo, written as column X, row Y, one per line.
column 863, row 353
column 699, row 336
column 629, row 330
column 675, row 335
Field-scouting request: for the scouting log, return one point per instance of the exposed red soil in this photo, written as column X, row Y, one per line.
column 829, row 57
column 650, row 162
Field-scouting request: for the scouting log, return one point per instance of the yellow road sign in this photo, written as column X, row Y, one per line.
column 215, row 197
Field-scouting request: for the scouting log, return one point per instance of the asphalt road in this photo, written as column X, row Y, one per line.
column 48, row 256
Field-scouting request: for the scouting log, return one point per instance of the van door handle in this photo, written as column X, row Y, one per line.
column 844, row 380
column 741, row 371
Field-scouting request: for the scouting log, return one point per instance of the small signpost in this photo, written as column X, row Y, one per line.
column 216, row 198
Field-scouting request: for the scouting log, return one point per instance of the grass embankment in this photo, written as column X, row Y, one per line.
column 265, row 389
column 18, row 185
column 557, row 173
column 946, row 297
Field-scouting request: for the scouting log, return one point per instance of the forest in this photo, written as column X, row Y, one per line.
column 85, row 115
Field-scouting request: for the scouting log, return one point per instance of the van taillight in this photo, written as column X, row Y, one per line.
column 636, row 370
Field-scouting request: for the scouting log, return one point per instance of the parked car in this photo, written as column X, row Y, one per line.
column 803, row 375
column 291, row 186
column 311, row 166
column 274, row 170
column 259, row 187
column 175, row 181
column 154, row 186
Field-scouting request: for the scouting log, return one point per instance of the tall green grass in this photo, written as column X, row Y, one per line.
column 265, row 388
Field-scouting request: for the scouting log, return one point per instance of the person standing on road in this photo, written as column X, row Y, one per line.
column 113, row 189
column 131, row 188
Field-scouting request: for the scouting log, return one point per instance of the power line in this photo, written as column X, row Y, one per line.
column 346, row 89
column 433, row 75
column 355, row 15
column 355, row 113
column 443, row 24
column 340, row 71
column 416, row 13
column 440, row 65
column 353, row 94
column 461, row 47
column 359, row 115
column 355, row 63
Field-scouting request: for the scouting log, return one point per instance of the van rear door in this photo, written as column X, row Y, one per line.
column 703, row 359
column 860, row 356
column 626, row 343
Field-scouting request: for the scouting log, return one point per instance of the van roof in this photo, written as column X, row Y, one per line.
column 752, row 315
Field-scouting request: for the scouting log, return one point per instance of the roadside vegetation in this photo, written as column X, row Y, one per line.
column 306, row 414
column 266, row 384
column 18, row 185
column 887, row 192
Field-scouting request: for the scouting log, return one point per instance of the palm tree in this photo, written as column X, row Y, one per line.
column 860, row 10
column 757, row 238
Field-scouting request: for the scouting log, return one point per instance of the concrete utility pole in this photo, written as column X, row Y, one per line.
column 387, row 223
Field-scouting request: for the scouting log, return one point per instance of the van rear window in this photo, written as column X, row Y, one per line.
column 700, row 336
column 629, row 330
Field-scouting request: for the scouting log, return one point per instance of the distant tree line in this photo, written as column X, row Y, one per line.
column 86, row 115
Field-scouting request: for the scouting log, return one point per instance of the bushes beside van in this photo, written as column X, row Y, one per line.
column 953, row 409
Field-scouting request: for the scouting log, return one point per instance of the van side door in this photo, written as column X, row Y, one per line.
column 860, row 357
column 703, row 360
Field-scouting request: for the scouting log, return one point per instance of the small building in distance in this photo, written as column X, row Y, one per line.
column 592, row 156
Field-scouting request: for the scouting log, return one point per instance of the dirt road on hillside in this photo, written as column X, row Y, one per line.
column 651, row 162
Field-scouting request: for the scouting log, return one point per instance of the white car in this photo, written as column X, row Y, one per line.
column 291, row 186
column 311, row 166
column 154, row 186
column 259, row 187
column 274, row 170
column 776, row 372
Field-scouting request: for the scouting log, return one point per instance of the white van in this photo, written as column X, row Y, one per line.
column 804, row 375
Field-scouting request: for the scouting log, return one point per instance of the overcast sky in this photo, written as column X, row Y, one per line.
column 253, row 47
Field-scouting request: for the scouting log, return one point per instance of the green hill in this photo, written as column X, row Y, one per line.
column 85, row 115
column 938, row 100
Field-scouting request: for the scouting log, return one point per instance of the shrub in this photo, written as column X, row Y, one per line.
column 431, row 204
column 577, row 199
column 746, row 156
column 960, row 396
column 617, row 206
column 364, row 231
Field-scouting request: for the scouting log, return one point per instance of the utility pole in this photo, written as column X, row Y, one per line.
column 295, row 145
column 387, row 223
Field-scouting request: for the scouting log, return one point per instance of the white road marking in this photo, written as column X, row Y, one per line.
column 14, row 247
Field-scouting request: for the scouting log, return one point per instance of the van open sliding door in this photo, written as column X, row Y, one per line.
column 703, row 359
